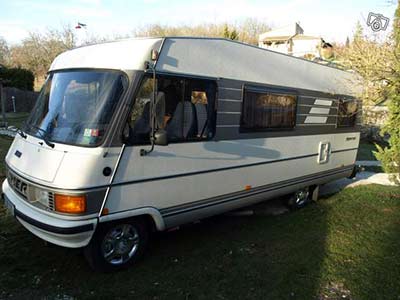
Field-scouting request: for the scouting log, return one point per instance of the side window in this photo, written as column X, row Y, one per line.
column 200, row 101
column 263, row 109
column 139, row 119
column 347, row 113
column 189, row 110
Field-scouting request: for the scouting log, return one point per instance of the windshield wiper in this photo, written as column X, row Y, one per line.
column 43, row 134
column 21, row 133
column 18, row 130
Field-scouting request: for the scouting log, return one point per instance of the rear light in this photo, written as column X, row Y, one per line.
column 70, row 204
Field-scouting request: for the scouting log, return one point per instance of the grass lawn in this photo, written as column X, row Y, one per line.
column 365, row 151
column 347, row 244
column 14, row 119
column 344, row 245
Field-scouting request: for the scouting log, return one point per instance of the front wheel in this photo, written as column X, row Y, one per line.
column 116, row 246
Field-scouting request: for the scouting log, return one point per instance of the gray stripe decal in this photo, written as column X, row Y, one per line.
column 317, row 110
column 230, row 89
column 316, row 115
column 230, row 100
column 229, row 112
column 318, row 120
column 313, row 110
column 235, row 105
column 230, row 94
column 317, row 124
column 221, row 169
column 326, row 102
column 306, row 100
column 313, row 120
column 171, row 211
column 232, row 131
column 319, row 106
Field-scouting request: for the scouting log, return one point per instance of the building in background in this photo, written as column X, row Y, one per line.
column 292, row 40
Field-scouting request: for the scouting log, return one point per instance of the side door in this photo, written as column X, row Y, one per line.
column 168, row 175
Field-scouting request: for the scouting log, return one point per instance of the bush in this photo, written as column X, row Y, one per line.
column 19, row 78
column 390, row 156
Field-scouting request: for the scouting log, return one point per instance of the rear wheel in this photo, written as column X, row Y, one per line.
column 117, row 246
column 299, row 199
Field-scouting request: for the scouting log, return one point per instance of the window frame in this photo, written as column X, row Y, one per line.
column 267, row 90
column 344, row 100
column 185, row 84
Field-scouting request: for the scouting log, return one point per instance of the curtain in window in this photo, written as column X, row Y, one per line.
column 265, row 110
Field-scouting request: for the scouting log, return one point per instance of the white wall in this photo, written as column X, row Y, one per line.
column 300, row 47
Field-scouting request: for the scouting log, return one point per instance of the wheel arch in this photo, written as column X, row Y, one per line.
column 150, row 214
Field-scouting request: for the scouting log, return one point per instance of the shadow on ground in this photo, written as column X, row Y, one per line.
column 257, row 257
column 345, row 246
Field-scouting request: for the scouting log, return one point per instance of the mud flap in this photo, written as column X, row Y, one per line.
column 315, row 193
column 356, row 169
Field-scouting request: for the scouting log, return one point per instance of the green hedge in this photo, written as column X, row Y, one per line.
column 18, row 78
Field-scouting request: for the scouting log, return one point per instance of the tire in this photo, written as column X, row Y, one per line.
column 117, row 245
column 299, row 199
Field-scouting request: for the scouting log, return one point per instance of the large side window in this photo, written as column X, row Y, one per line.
column 189, row 110
column 347, row 113
column 263, row 109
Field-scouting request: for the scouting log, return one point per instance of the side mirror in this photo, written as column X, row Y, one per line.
column 161, row 138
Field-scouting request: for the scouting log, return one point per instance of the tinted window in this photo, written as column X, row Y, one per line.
column 189, row 110
column 347, row 113
column 267, row 110
column 76, row 107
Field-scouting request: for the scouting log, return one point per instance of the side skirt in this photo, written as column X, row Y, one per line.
column 185, row 213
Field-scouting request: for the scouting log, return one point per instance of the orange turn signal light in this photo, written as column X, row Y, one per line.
column 70, row 204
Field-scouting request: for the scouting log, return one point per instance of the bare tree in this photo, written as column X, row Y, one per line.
column 373, row 60
column 246, row 31
column 38, row 50
column 4, row 52
column 250, row 29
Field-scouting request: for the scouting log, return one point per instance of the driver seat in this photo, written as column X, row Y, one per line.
column 184, row 122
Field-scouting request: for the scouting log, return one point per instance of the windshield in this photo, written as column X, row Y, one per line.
column 76, row 107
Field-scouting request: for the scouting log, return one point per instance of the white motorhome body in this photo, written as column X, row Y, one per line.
column 244, row 124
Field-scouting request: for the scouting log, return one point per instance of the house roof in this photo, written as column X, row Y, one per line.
column 296, row 37
column 286, row 31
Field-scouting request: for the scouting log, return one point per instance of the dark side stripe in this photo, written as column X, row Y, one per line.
column 53, row 229
column 224, row 168
column 177, row 175
column 179, row 209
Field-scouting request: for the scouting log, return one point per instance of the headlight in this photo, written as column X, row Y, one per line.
column 41, row 196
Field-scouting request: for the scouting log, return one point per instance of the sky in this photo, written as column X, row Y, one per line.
column 334, row 20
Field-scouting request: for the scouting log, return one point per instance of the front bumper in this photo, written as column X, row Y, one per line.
column 64, row 232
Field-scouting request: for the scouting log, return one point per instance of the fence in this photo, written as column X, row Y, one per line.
column 24, row 100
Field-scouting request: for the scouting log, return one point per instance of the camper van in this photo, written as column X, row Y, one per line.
column 143, row 135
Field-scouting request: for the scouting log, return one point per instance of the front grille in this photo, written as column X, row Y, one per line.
column 18, row 186
column 30, row 192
